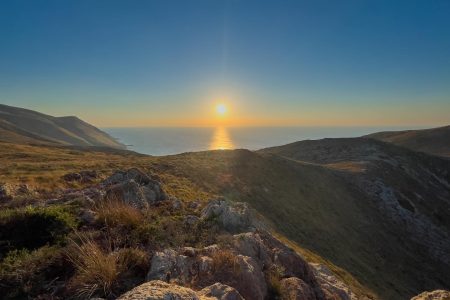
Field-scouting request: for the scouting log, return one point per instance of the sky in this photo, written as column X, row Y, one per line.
column 271, row 63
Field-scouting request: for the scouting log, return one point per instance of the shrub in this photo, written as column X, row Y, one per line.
column 104, row 273
column 25, row 274
column 273, row 277
column 115, row 212
column 31, row 228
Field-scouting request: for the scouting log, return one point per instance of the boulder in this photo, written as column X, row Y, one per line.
column 293, row 288
column 233, row 217
column 250, row 279
column 434, row 295
column 251, row 244
column 200, row 267
column 135, row 174
column 83, row 176
column 169, row 265
column 134, row 187
column 221, row 292
column 159, row 290
column 331, row 285
column 268, row 251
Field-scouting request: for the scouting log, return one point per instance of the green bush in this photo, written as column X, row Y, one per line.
column 25, row 274
column 31, row 228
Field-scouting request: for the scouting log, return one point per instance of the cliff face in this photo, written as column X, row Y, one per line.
column 18, row 125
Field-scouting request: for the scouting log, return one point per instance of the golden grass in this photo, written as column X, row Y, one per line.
column 98, row 272
column 225, row 261
column 115, row 212
column 42, row 167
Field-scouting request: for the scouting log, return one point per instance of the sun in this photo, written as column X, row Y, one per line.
column 221, row 109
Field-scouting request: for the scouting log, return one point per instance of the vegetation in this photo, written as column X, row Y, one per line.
column 33, row 227
column 105, row 273
column 309, row 205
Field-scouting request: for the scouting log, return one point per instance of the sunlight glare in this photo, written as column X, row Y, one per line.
column 221, row 109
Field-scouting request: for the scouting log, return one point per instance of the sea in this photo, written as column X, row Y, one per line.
column 173, row 140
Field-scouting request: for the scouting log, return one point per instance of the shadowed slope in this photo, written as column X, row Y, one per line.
column 411, row 195
column 434, row 141
column 18, row 125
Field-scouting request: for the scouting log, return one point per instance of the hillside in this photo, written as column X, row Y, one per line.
column 18, row 125
column 407, row 197
column 65, row 233
column 433, row 141
column 373, row 212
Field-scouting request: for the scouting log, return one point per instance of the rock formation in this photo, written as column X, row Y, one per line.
column 434, row 295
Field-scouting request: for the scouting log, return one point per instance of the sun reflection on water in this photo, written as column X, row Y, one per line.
column 221, row 140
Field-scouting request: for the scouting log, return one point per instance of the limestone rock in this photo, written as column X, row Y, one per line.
column 332, row 285
column 268, row 251
column 251, row 279
column 159, row 290
column 233, row 217
column 434, row 295
column 135, row 188
column 221, row 292
column 294, row 288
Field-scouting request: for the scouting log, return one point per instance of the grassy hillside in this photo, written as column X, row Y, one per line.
column 433, row 141
column 19, row 125
column 43, row 166
column 313, row 203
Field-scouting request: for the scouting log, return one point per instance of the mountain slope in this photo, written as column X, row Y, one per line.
column 18, row 125
column 407, row 196
column 433, row 141
column 375, row 209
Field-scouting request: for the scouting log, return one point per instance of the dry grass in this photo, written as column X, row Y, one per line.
column 100, row 272
column 96, row 270
column 115, row 212
column 225, row 262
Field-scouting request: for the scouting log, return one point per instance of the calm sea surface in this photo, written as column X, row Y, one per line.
column 164, row 140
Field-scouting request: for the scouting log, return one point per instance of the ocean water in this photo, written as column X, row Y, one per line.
column 171, row 140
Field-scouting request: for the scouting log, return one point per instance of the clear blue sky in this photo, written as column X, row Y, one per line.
column 138, row 63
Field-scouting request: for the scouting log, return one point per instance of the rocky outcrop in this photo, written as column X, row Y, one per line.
column 83, row 176
column 332, row 285
column 245, row 262
column 135, row 188
column 294, row 288
column 243, row 265
column 233, row 217
column 221, row 291
column 434, row 295
column 160, row 290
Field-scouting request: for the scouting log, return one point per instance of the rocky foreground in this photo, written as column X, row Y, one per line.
column 247, row 262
